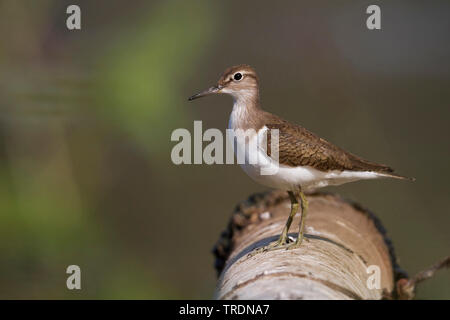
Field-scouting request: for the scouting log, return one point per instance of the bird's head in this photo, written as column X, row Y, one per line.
column 241, row 82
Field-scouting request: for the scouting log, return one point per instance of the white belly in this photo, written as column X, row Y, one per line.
column 268, row 172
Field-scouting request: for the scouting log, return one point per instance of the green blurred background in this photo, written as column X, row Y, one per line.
column 86, row 118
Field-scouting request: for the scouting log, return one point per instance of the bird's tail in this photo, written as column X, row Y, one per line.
column 382, row 169
column 396, row 176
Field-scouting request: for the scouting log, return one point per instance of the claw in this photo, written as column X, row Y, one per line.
column 294, row 245
column 276, row 245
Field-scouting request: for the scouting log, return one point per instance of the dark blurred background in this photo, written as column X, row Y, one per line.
column 86, row 118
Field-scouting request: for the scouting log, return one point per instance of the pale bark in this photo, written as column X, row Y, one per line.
column 342, row 241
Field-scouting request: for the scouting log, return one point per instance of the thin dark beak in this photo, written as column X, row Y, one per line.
column 207, row 92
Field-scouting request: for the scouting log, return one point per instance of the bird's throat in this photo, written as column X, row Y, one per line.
column 245, row 110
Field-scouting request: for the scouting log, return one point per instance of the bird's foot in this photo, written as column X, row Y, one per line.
column 276, row 245
column 293, row 245
column 297, row 243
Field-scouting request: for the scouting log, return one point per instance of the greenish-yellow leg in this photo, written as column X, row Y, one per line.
column 294, row 208
column 282, row 241
column 304, row 206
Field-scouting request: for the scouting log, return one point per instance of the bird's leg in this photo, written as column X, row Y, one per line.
column 284, row 234
column 304, row 206
column 282, row 241
column 294, row 209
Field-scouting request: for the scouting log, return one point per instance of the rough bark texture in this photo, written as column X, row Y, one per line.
column 342, row 240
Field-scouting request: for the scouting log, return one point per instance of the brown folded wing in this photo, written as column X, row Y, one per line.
column 300, row 147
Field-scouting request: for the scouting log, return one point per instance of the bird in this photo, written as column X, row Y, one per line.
column 305, row 160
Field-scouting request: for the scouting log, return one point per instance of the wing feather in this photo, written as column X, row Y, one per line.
column 300, row 147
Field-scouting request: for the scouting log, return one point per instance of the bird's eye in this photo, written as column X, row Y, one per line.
column 237, row 76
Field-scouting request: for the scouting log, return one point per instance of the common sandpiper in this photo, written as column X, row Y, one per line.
column 305, row 161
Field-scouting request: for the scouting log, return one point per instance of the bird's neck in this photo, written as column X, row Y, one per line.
column 246, row 108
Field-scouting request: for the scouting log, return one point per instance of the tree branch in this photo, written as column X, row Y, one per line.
column 344, row 244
